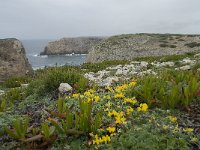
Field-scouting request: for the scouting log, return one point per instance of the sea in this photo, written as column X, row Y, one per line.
column 34, row 47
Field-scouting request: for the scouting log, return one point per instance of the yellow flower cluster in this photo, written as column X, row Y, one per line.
column 130, row 100
column 76, row 95
column 111, row 129
column 133, row 83
column 119, row 117
column 119, row 95
column 129, row 110
column 188, row 130
column 121, row 88
column 172, row 118
column 100, row 140
column 143, row 107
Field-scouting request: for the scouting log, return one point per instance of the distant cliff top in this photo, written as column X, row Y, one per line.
column 129, row 46
column 79, row 45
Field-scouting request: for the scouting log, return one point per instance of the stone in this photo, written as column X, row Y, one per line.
column 13, row 61
column 108, row 81
column 187, row 67
column 64, row 88
column 24, row 85
column 197, row 55
column 143, row 64
column 1, row 92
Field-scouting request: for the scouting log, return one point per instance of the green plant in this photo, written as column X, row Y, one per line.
column 47, row 131
column 61, row 105
column 15, row 94
column 2, row 105
column 19, row 130
column 146, row 89
column 16, row 81
column 78, row 122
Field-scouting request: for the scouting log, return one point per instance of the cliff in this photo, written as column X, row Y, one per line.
column 13, row 61
column 81, row 45
column 143, row 45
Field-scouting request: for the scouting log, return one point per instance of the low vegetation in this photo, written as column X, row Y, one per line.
column 148, row 112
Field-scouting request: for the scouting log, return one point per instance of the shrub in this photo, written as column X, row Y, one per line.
column 163, row 45
column 193, row 44
column 15, row 94
column 49, row 81
column 16, row 81
column 172, row 46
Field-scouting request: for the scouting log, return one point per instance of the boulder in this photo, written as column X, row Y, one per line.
column 64, row 88
column 13, row 61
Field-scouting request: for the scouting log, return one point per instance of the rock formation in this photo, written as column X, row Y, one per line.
column 81, row 45
column 143, row 45
column 13, row 61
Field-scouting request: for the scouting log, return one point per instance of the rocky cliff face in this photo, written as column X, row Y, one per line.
column 13, row 61
column 142, row 45
column 80, row 45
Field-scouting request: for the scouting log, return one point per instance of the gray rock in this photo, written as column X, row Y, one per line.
column 24, row 85
column 64, row 88
column 13, row 61
column 1, row 92
column 108, row 81
column 187, row 67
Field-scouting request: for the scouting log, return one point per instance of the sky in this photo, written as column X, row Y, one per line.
column 54, row 19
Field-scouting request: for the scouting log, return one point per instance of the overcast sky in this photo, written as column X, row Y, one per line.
column 52, row 19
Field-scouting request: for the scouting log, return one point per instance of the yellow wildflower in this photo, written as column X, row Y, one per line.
column 129, row 110
column 111, row 129
column 143, row 107
column 91, row 134
column 121, row 88
column 120, row 119
column 110, row 89
column 133, row 83
column 130, row 100
column 91, row 91
column 172, row 118
column 113, row 113
column 119, row 95
column 97, row 98
column 194, row 139
column 76, row 95
column 188, row 130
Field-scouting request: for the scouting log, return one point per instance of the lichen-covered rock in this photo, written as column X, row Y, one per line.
column 64, row 88
column 128, row 47
column 13, row 61
column 81, row 45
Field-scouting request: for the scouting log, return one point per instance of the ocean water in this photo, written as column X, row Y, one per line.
column 34, row 47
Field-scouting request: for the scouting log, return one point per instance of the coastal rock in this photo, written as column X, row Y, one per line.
column 13, row 61
column 64, row 88
column 80, row 45
column 130, row 46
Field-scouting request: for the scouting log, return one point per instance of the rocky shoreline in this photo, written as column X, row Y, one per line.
column 80, row 45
